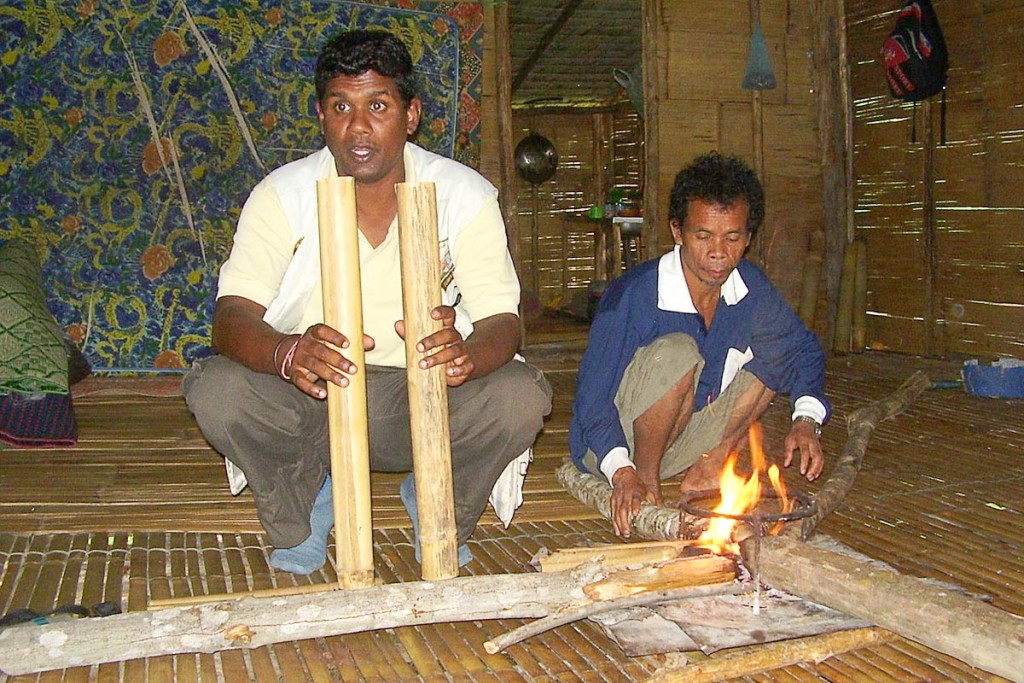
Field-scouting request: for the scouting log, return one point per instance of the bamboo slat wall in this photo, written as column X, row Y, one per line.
column 597, row 150
column 959, row 290
column 701, row 106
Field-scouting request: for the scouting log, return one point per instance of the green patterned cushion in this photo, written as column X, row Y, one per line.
column 32, row 354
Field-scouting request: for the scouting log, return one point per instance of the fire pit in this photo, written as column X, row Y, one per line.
column 759, row 518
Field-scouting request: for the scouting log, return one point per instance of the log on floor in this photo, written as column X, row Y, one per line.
column 249, row 622
column 935, row 616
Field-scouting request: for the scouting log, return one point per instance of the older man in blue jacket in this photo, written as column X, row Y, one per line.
column 687, row 350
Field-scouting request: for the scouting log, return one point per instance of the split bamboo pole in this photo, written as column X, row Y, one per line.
column 346, row 407
column 428, row 390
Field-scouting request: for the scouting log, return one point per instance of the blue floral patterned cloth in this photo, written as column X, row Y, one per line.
column 132, row 132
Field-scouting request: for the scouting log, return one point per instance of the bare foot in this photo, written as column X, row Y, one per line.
column 704, row 474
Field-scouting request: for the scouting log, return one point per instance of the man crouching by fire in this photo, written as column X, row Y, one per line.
column 687, row 350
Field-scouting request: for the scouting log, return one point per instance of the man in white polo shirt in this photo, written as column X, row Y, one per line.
column 260, row 402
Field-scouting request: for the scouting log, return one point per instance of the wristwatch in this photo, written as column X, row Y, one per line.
column 811, row 420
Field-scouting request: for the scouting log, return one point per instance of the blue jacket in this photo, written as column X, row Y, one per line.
column 652, row 300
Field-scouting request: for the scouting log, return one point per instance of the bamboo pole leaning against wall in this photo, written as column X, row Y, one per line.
column 841, row 342
column 428, row 390
column 811, row 278
column 860, row 296
column 346, row 408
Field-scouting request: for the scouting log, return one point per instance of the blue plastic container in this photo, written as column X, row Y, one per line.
column 1002, row 379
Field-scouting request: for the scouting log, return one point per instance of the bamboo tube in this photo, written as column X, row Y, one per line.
column 860, row 296
column 844, row 316
column 346, row 408
column 428, row 390
column 812, row 277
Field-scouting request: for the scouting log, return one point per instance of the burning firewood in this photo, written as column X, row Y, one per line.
column 686, row 571
column 617, row 555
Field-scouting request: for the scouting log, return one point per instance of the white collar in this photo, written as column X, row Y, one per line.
column 673, row 293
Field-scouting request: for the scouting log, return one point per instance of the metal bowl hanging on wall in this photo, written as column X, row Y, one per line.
column 536, row 158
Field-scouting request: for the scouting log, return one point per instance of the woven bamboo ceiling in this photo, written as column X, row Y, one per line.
column 563, row 51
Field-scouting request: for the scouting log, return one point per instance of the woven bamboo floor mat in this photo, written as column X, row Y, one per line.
column 46, row 570
column 140, row 509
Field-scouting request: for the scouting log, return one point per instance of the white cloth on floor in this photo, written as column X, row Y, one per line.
column 507, row 494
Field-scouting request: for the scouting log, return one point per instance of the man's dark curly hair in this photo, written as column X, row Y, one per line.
column 355, row 52
column 719, row 179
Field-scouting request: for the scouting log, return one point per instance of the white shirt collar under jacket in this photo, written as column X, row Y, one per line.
column 674, row 295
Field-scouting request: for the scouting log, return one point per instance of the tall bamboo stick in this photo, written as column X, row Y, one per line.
column 428, row 391
column 346, row 408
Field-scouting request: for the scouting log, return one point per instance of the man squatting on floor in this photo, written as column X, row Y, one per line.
column 260, row 402
column 687, row 350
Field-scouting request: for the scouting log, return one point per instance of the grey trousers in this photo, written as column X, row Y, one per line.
column 278, row 435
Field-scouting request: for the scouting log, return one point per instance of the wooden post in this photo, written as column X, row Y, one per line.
column 860, row 296
column 757, row 133
column 833, row 97
column 346, row 408
column 931, row 261
column 844, row 313
column 508, row 191
column 652, row 32
column 601, row 228
column 615, row 250
column 428, row 391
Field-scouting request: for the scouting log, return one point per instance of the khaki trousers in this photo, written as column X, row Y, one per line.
column 654, row 370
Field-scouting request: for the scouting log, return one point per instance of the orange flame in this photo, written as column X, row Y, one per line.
column 740, row 495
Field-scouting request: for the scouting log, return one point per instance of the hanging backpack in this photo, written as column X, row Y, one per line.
column 916, row 59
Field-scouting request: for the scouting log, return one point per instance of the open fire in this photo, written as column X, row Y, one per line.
column 741, row 495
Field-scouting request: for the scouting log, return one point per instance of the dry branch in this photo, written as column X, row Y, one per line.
column 652, row 522
column 860, row 425
column 663, row 523
column 953, row 623
column 749, row 661
column 250, row 622
column 589, row 609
